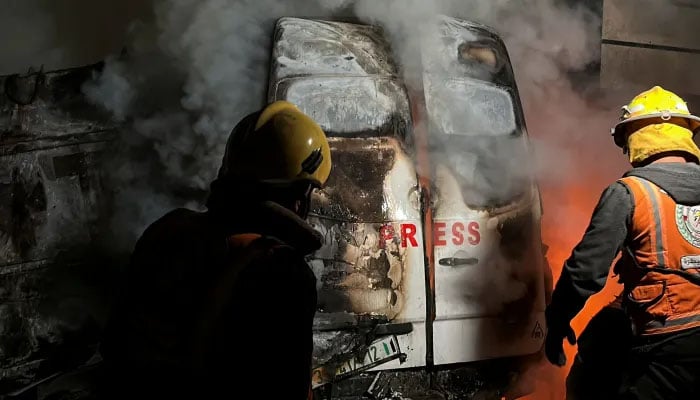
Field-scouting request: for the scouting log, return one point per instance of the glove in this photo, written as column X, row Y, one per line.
column 554, row 343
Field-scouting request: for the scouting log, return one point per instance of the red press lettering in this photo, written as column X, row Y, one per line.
column 457, row 233
column 474, row 235
column 408, row 234
column 440, row 234
column 386, row 232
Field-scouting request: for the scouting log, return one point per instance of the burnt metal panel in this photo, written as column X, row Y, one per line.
column 51, row 204
column 360, row 271
column 343, row 75
column 351, row 106
column 466, row 49
column 354, row 192
column 48, row 105
column 48, row 201
column 310, row 47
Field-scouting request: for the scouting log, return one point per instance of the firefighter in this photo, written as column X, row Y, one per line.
column 651, row 218
column 220, row 303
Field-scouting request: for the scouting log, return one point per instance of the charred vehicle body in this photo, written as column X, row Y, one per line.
column 53, row 202
column 432, row 276
column 432, row 257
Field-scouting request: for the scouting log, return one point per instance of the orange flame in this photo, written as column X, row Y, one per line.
column 576, row 162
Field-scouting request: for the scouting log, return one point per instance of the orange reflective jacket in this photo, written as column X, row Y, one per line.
column 661, row 260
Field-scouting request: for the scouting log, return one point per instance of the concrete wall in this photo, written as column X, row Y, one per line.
column 651, row 42
column 66, row 33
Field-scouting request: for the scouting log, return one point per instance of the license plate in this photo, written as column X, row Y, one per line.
column 380, row 351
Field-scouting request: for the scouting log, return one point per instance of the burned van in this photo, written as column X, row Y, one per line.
column 432, row 256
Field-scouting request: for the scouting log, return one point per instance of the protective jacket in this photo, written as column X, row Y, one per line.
column 217, row 304
column 624, row 219
column 661, row 257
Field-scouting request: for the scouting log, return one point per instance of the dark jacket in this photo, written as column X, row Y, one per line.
column 586, row 271
column 186, row 325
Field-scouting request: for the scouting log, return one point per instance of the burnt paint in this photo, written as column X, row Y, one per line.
column 25, row 199
column 56, row 97
column 14, row 332
column 370, row 268
column 22, row 90
column 485, row 380
column 75, row 165
column 354, row 190
column 354, row 194
column 42, row 301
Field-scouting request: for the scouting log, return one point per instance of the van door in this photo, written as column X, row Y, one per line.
column 371, row 275
column 487, row 255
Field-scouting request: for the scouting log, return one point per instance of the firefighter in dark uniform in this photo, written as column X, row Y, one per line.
column 220, row 304
column 651, row 217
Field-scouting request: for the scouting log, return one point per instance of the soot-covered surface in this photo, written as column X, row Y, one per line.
column 51, row 204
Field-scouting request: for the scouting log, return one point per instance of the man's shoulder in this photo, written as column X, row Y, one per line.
column 619, row 187
column 614, row 199
column 178, row 224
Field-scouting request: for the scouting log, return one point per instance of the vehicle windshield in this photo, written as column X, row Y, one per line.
column 351, row 106
column 475, row 133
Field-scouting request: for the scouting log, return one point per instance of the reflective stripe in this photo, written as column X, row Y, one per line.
column 673, row 322
column 660, row 258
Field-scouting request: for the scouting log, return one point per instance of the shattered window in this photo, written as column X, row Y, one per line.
column 470, row 107
column 480, row 54
column 351, row 106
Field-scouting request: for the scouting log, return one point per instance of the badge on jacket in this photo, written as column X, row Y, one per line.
column 688, row 222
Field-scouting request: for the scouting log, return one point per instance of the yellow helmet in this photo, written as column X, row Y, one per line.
column 283, row 145
column 655, row 103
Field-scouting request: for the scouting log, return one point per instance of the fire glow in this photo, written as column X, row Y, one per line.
column 575, row 201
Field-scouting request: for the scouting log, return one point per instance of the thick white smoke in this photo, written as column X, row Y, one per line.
column 189, row 78
column 183, row 86
column 200, row 66
column 209, row 60
column 547, row 41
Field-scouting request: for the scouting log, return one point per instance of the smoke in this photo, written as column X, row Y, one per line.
column 186, row 81
column 197, row 68
column 546, row 41
column 201, row 66
column 551, row 45
column 189, row 77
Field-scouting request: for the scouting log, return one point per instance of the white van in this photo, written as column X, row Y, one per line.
column 433, row 268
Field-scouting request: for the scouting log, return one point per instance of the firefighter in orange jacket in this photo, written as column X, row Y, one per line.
column 651, row 217
column 221, row 303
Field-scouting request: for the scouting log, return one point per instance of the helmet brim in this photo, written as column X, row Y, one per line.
column 619, row 131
